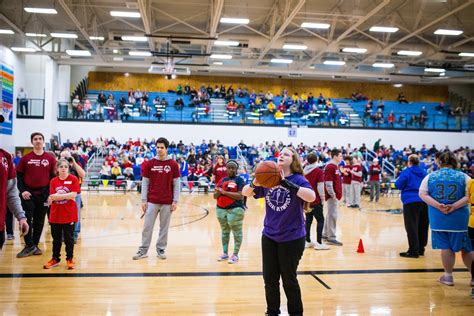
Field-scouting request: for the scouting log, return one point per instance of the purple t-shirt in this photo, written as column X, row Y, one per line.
column 284, row 217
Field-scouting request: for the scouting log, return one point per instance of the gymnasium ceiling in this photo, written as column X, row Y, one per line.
column 185, row 30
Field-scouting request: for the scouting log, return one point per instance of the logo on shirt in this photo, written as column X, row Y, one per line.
column 278, row 199
column 45, row 162
column 167, row 169
column 161, row 169
column 5, row 163
column 62, row 190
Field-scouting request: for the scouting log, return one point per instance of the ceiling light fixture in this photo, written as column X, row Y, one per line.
column 409, row 52
column 125, row 14
column 295, row 46
column 24, row 49
column 139, row 53
column 334, row 62
column 438, row 70
column 35, row 35
column 134, row 38
column 466, row 54
column 219, row 63
column 281, row 61
column 118, row 58
column 226, row 43
column 448, row 32
column 311, row 25
column 4, row 31
column 96, row 38
column 235, row 20
column 41, row 10
column 64, row 35
column 354, row 50
column 383, row 65
column 383, row 29
column 78, row 53
column 220, row 56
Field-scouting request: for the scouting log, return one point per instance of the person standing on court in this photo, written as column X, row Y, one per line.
column 346, row 180
column 230, row 210
column 374, row 180
column 315, row 177
column 219, row 170
column 160, row 195
column 356, row 182
column 445, row 192
column 9, row 195
column 333, row 192
column 34, row 172
column 415, row 211
column 470, row 228
column 184, row 172
column 283, row 236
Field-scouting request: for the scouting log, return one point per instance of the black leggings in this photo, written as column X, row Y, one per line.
column 57, row 232
column 316, row 212
column 35, row 211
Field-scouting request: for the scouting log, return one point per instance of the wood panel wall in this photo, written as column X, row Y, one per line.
column 335, row 89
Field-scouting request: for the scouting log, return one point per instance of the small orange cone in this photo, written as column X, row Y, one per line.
column 360, row 249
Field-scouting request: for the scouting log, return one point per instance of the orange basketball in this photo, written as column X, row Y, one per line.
column 267, row 174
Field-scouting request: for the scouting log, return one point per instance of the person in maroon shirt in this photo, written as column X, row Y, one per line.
column 34, row 172
column 333, row 190
column 356, row 182
column 160, row 194
column 374, row 180
column 9, row 195
column 219, row 171
column 315, row 177
column 346, row 179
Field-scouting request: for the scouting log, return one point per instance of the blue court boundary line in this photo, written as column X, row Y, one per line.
column 210, row 274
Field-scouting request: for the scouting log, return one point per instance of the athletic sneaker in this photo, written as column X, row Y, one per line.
column 161, row 254
column 321, row 246
column 223, row 257
column 308, row 244
column 334, row 242
column 140, row 255
column 446, row 280
column 10, row 237
column 70, row 264
column 26, row 252
column 51, row 264
column 38, row 251
column 233, row 259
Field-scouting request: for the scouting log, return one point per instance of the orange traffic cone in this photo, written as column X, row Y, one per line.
column 360, row 249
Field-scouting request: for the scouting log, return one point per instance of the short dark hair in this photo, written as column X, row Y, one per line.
column 36, row 134
column 348, row 158
column 312, row 157
column 438, row 154
column 448, row 159
column 335, row 152
column 163, row 141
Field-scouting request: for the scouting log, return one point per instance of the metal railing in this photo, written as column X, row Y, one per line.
column 30, row 108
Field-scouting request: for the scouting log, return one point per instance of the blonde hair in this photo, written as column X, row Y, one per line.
column 61, row 162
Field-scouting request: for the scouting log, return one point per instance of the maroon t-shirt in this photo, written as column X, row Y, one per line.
column 219, row 172
column 64, row 211
column 37, row 170
column 332, row 174
column 161, row 174
column 357, row 168
column 374, row 172
column 7, row 172
column 346, row 179
column 314, row 177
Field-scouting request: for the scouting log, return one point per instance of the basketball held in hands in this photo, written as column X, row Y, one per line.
column 267, row 174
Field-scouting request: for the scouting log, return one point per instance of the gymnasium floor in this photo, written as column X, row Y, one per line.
column 336, row 282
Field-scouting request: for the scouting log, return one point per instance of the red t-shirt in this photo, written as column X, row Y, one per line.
column 37, row 170
column 332, row 174
column 346, row 179
column 7, row 172
column 161, row 174
column 65, row 211
column 314, row 177
column 219, row 172
column 374, row 172
column 230, row 185
column 357, row 168
column 110, row 160
column 126, row 165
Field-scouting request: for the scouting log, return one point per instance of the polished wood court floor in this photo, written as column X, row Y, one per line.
column 339, row 281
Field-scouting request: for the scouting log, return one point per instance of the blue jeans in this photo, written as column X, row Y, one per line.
column 77, row 228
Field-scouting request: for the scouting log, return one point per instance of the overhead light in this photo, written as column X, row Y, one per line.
column 134, row 38
column 310, row 25
column 383, row 65
column 220, row 56
column 96, row 38
column 35, row 35
column 219, row 63
column 448, row 32
column 438, row 70
column 281, row 61
column 334, row 62
column 409, row 52
column 4, row 31
column 126, row 74
column 235, row 20
column 295, row 46
column 41, row 10
column 78, row 53
column 64, row 35
column 115, row 51
column 383, row 29
column 226, row 43
column 118, row 58
column 24, row 49
column 139, row 53
column 125, row 14
column 398, row 85
column 354, row 50
column 466, row 54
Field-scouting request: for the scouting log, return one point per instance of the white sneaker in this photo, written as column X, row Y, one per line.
column 321, row 246
column 308, row 244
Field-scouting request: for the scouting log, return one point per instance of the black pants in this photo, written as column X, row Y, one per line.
column 281, row 259
column 57, row 232
column 316, row 212
column 416, row 220
column 9, row 222
column 2, row 239
column 35, row 211
column 23, row 105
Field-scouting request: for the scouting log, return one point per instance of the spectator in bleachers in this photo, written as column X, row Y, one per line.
column 391, row 119
column 105, row 170
column 101, row 98
column 229, row 93
column 178, row 104
column 281, row 107
column 232, row 105
column 402, row 98
column 321, row 99
column 279, row 118
column 75, row 107
column 413, row 120
column 423, row 117
column 137, row 95
column 112, row 105
column 441, row 107
column 179, row 89
column 126, row 114
column 270, row 108
column 380, row 105
column 379, row 118
column 311, row 99
column 294, row 110
column 163, row 102
column 268, row 97
column 187, row 89
column 115, row 171
column 122, row 103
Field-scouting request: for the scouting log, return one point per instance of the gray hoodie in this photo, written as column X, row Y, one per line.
column 307, row 170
